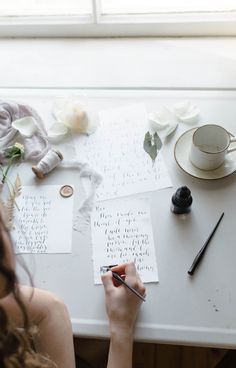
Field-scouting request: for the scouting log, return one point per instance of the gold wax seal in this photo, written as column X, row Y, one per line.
column 66, row 191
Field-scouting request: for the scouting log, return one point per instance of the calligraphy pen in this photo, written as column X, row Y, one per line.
column 201, row 252
column 117, row 277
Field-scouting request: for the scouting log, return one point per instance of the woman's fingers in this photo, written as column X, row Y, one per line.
column 120, row 269
column 128, row 272
column 107, row 281
column 127, row 269
column 132, row 277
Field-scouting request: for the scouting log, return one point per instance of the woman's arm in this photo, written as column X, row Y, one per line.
column 54, row 338
column 122, row 310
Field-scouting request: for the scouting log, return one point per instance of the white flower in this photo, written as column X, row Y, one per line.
column 163, row 121
column 161, row 118
column 57, row 131
column 17, row 150
column 20, row 147
column 187, row 112
column 73, row 115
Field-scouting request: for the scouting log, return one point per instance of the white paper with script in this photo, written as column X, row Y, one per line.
column 116, row 151
column 43, row 223
column 122, row 232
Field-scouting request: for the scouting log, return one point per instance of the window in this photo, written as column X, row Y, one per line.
column 44, row 7
column 117, row 17
column 164, row 6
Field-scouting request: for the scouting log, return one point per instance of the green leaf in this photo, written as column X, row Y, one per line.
column 12, row 153
column 152, row 145
column 157, row 141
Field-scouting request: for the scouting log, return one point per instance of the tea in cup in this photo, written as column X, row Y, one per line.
column 210, row 145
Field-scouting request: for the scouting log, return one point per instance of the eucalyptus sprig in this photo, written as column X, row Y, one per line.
column 12, row 154
column 152, row 145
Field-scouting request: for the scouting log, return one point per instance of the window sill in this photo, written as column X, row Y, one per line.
column 169, row 63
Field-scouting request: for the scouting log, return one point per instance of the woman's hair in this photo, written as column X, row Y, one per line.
column 16, row 345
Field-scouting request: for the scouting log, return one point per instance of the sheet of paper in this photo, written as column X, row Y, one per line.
column 116, row 151
column 122, row 232
column 43, row 223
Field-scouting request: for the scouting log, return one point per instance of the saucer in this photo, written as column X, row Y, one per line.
column 181, row 153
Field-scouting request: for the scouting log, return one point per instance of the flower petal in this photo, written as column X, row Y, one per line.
column 187, row 112
column 26, row 126
column 170, row 129
column 161, row 118
column 57, row 131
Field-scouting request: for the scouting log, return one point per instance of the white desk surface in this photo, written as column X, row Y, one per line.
column 197, row 311
column 178, row 310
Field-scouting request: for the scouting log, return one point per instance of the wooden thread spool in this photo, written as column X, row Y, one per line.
column 48, row 163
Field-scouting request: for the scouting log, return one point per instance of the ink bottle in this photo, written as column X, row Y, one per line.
column 181, row 201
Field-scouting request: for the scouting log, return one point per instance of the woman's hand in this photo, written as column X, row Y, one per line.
column 122, row 309
column 122, row 305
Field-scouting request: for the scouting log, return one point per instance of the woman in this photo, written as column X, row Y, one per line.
column 35, row 328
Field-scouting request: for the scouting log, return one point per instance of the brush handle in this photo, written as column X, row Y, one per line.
column 201, row 252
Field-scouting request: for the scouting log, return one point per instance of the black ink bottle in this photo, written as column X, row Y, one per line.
column 181, row 201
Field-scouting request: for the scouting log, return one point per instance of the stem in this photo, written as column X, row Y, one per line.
column 12, row 195
column 8, row 167
column 5, row 173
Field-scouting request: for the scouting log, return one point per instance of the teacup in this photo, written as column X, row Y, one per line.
column 210, row 145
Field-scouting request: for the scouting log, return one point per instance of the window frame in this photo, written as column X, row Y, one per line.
column 99, row 25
